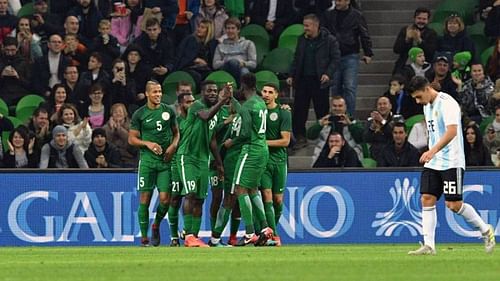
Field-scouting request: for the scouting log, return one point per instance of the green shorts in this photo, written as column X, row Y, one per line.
column 194, row 176
column 154, row 174
column 215, row 182
column 176, row 179
column 249, row 168
column 274, row 177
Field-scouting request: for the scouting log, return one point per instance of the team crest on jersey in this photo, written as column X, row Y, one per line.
column 165, row 116
column 273, row 116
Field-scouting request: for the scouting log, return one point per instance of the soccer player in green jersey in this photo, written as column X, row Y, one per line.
column 193, row 162
column 278, row 128
column 184, row 101
column 153, row 129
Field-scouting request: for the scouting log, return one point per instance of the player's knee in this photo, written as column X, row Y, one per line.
column 278, row 200
column 454, row 206
column 428, row 200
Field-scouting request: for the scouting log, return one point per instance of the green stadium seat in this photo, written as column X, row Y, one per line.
column 169, row 85
column 16, row 122
column 266, row 76
column 289, row 36
column 485, row 123
column 278, row 61
column 5, row 141
column 221, row 77
column 438, row 27
column 476, row 33
column 24, row 114
column 262, row 48
column 252, row 31
column 410, row 122
column 369, row 163
column 27, row 105
column 4, row 108
column 464, row 8
column 26, row 10
column 486, row 54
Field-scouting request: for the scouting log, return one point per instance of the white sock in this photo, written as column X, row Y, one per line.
column 473, row 218
column 214, row 240
column 429, row 221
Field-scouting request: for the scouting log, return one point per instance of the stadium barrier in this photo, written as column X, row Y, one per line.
column 351, row 206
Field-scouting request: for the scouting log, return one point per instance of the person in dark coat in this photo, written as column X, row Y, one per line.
column 337, row 154
column 101, row 153
column 399, row 152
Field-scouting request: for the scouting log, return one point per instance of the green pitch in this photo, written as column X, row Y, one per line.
column 328, row 262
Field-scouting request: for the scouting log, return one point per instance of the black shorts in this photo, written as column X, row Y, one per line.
column 449, row 182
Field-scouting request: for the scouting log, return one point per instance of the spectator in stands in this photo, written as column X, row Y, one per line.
column 349, row 26
column 122, row 89
column 196, row 52
column 475, row 95
column 60, row 152
column 73, row 90
column 15, row 73
column 88, row 16
column 28, row 42
column 378, row 131
column 399, row 152
column 157, row 50
column 316, row 58
column 72, row 26
column 57, row 98
column 101, row 153
column 403, row 105
column 492, row 22
column 106, row 45
column 440, row 76
column 166, row 10
column 7, row 21
column 317, row 7
column 183, row 87
column 127, row 27
column 95, row 74
column 235, row 54
column 21, row 152
column 137, row 71
column 494, row 61
column 60, row 9
column 418, row 66
column 212, row 10
column 44, row 23
column 39, row 127
column 492, row 137
column 476, row 153
column 117, row 134
column 336, row 153
column 338, row 120
column 418, row 136
column 455, row 38
column 5, row 126
column 495, row 98
column 274, row 16
column 79, row 131
column 76, row 52
column 415, row 35
column 184, row 20
column 50, row 68
column 461, row 66
column 97, row 108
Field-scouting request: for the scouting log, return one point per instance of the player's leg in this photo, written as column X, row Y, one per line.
column 266, row 183
column 246, row 213
column 223, row 215
column 145, row 184
column 174, row 206
column 235, row 224
column 163, row 183
column 217, row 190
column 201, row 194
column 430, row 189
column 279, row 184
column 453, row 190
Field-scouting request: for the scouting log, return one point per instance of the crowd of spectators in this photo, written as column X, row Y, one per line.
column 90, row 61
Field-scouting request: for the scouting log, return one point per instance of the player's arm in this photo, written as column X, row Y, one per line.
column 285, row 129
column 172, row 148
column 281, row 142
column 449, row 134
column 134, row 139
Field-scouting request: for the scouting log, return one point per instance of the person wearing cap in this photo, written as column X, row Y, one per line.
column 61, row 153
column 101, row 153
column 440, row 76
column 418, row 66
column 137, row 71
column 461, row 68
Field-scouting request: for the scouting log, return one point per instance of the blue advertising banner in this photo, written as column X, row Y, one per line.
column 320, row 207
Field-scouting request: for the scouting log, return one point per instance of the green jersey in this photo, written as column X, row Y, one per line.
column 278, row 120
column 154, row 125
column 253, row 114
column 197, row 133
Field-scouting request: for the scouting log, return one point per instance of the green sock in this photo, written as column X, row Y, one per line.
column 278, row 210
column 188, row 222
column 173, row 221
column 256, row 224
column 195, row 228
column 270, row 217
column 222, row 218
column 143, row 214
column 161, row 211
column 259, row 209
column 246, row 212
column 235, row 225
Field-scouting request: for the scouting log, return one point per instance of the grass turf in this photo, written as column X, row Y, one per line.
column 319, row 262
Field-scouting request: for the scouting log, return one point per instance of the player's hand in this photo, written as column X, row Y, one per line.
column 426, row 156
column 324, row 78
column 169, row 153
column 227, row 91
column 286, row 107
column 154, row 147
column 228, row 143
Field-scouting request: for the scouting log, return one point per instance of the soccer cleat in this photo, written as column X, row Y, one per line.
column 174, row 242
column 270, row 243
column 144, row 242
column 155, row 237
column 277, row 239
column 193, row 241
column 265, row 234
column 423, row 251
column 247, row 239
column 489, row 240
column 219, row 244
column 233, row 240
column 183, row 234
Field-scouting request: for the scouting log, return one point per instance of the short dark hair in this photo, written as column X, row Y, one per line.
column 152, row 22
column 183, row 83
column 417, row 83
column 205, row 83
column 39, row 110
column 398, row 78
column 97, row 56
column 248, row 81
column 399, row 124
column 10, row 41
column 272, row 85
column 312, row 17
column 181, row 97
column 421, row 10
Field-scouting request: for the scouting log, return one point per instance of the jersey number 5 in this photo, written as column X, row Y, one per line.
column 158, row 125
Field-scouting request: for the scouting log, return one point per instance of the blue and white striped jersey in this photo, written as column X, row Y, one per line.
column 444, row 111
